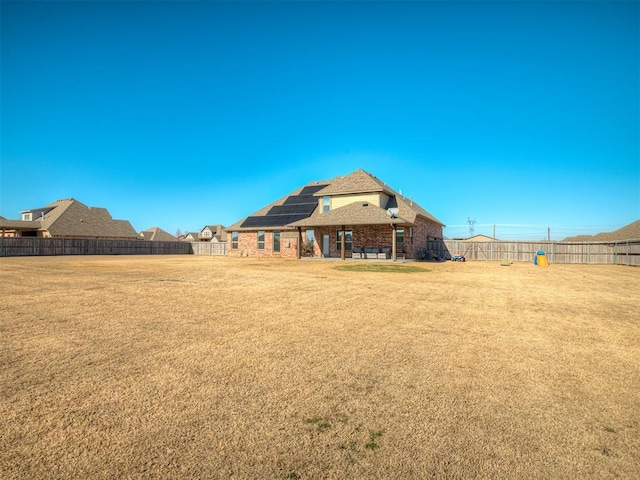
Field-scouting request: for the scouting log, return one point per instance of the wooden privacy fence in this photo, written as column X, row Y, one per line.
column 624, row 252
column 209, row 248
column 33, row 246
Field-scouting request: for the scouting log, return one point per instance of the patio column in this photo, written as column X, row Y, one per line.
column 299, row 243
column 342, row 243
column 393, row 243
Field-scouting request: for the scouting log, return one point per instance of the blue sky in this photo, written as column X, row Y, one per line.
column 182, row 114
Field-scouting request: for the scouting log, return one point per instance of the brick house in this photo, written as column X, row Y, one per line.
column 354, row 216
column 67, row 218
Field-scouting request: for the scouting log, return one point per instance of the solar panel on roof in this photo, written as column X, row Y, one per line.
column 310, row 190
column 305, row 195
column 301, row 209
column 257, row 222
column 299, row 200
column 294, row 208
column 282, row 209
column 271, row 221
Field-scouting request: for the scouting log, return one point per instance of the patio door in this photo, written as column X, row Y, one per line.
column 325, row 245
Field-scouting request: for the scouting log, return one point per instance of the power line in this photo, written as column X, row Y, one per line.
column 523, row 231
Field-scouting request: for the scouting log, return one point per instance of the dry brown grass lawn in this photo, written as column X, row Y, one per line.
column 205, row 367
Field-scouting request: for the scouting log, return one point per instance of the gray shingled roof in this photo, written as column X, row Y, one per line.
column 71, row 218
column 356, row 182
column 359, row 181
column 156, row 234
column 18, row 224
column 358, row 213
column 263, row 211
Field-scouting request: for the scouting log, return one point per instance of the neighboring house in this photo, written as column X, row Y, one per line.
column 17, row 228
column 352, row 216
column 191, row 237
column 68, row 218
column 156, row 234
column 213, row 233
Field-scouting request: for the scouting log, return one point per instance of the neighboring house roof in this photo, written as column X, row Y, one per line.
column 480, row 238
column 191, row 236
column 156, row 234
column 71, row 218
column 18, row 225
column 628, row 232
column 299, row 208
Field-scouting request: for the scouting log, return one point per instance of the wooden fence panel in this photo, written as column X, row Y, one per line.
column 209, row 248
column 617, row 253
column 35, row 246
column 625, row 252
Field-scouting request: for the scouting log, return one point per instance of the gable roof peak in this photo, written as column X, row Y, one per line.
column 359, row 181
column 64, row 200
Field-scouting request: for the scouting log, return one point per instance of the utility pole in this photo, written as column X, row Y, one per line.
column 494, row 230
column 548, row 234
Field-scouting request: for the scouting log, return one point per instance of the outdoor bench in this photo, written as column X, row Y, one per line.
column 371, row 253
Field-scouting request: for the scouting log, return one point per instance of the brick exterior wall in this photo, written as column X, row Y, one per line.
column 375, row 236
column 422, row 232
column 248, row 245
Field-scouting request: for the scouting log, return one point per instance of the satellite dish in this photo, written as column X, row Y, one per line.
column 392, row 212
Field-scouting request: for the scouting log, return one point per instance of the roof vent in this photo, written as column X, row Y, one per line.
column 365, row 204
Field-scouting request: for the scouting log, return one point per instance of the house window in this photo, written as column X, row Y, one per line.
column 26, row 216
column 309, row 242
column 234, row 240
column 326, row 203
column 276, row 242
column 400, row 235
column 348, row 240
column 310, row 234
column 261, row 240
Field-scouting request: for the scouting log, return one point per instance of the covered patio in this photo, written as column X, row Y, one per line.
column 358, row 231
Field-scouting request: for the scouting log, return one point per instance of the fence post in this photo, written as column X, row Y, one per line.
column 627, row 253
